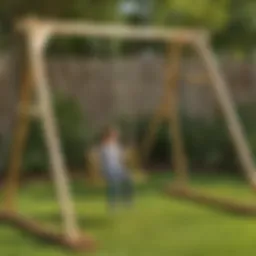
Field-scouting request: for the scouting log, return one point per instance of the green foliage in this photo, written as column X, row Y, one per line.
column 161, row 150
column 202, row 13
column 93, row 10
column 72, row 133
column 100, row 10
column 232, row 21
column 208, row 144
column 239, row 32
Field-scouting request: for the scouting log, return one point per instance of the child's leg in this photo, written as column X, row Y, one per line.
column 128, row 190
column 113, row 190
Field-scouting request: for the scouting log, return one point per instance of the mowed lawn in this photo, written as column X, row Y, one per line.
column 157, row 225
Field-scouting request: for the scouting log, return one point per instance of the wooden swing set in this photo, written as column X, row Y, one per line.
column 38, row 33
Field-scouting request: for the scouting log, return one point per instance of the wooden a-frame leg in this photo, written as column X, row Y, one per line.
column 37, row 41
column 228, row 109
column 172, row 107
column 160, row 116
column 18, row 144
column 154, row 125
column 168, row 110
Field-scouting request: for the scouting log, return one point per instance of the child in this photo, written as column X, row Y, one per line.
column 119, row 184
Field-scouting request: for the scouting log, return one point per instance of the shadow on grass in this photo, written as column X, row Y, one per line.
column 85, row 221
column 23, row 237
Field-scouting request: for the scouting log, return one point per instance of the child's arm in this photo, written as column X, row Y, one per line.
column 124, row 153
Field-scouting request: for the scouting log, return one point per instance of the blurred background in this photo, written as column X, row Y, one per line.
column 113, row 80
column 97, row 82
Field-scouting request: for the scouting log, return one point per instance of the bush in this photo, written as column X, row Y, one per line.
column 208, row 144
column 73, row 133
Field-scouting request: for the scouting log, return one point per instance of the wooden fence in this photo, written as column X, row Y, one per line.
column 130, row 86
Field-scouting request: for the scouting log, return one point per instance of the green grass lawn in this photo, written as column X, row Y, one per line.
column 156, row 226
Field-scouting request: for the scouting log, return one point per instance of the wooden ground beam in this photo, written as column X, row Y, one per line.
column 216, row 202
column 85, row 242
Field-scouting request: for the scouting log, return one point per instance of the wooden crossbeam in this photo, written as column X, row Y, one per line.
column 87, row 28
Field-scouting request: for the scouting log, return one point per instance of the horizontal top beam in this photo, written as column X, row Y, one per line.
column 83, row 28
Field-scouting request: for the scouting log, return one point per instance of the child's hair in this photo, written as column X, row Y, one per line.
column 107, row 131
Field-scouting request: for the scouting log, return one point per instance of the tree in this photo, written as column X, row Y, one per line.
column 95, row 10
column 240, row 32
column 203, row 13
column 73, row 133
column 11, row 10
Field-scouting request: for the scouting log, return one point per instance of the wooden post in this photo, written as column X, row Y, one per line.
column 150, row 136
column 168, row 110
column 37, row 39
column 178, row 151
column 227, row 105
column 20, row 133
